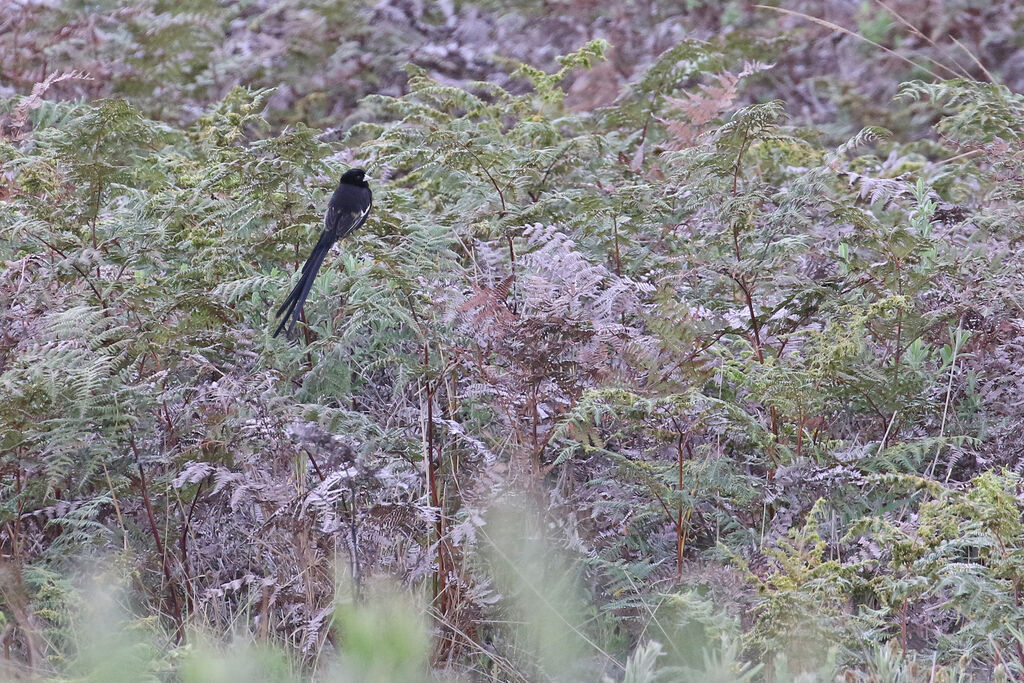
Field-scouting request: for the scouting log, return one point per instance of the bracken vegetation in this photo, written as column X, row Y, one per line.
column 691, row 354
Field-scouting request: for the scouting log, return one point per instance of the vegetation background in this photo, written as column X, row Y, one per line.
column 684, row 341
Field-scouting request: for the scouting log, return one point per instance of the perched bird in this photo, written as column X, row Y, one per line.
column 348, row 209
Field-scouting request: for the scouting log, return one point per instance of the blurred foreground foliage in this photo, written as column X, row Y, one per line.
column 669, row 389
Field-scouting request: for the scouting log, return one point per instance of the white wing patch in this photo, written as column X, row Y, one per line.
column 365, row 213
column 358, row 218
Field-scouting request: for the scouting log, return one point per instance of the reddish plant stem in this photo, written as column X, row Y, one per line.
column 682, row 447
column 899, row 343
column 679, row 523
column 440, row 577
column 512, row 258
column 95, row 216
column 353, row 532
column 618, row 255
column 183, row 541
column 179, row 632
column 534, row 423
column 739, row 162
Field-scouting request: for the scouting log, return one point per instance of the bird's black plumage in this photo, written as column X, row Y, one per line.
column 349, row 207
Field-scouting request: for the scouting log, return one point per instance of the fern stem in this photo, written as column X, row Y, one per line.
column 618, row 256
column 440, row 576
column 179, row 632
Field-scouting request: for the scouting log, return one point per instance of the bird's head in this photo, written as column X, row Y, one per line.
column 354, row 176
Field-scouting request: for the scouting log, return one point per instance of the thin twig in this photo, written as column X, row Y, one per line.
column 988, row 74
column 73, row 265
column 848, row 32
column 916, row 31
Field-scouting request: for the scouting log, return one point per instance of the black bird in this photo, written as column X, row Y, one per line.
column 348, row 209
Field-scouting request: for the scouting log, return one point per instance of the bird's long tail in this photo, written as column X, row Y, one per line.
column 292, row 306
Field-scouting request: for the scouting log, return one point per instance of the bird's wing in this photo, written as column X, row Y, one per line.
column 341, row 225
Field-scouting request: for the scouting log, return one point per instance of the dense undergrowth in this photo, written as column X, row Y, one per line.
column 674, row 388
